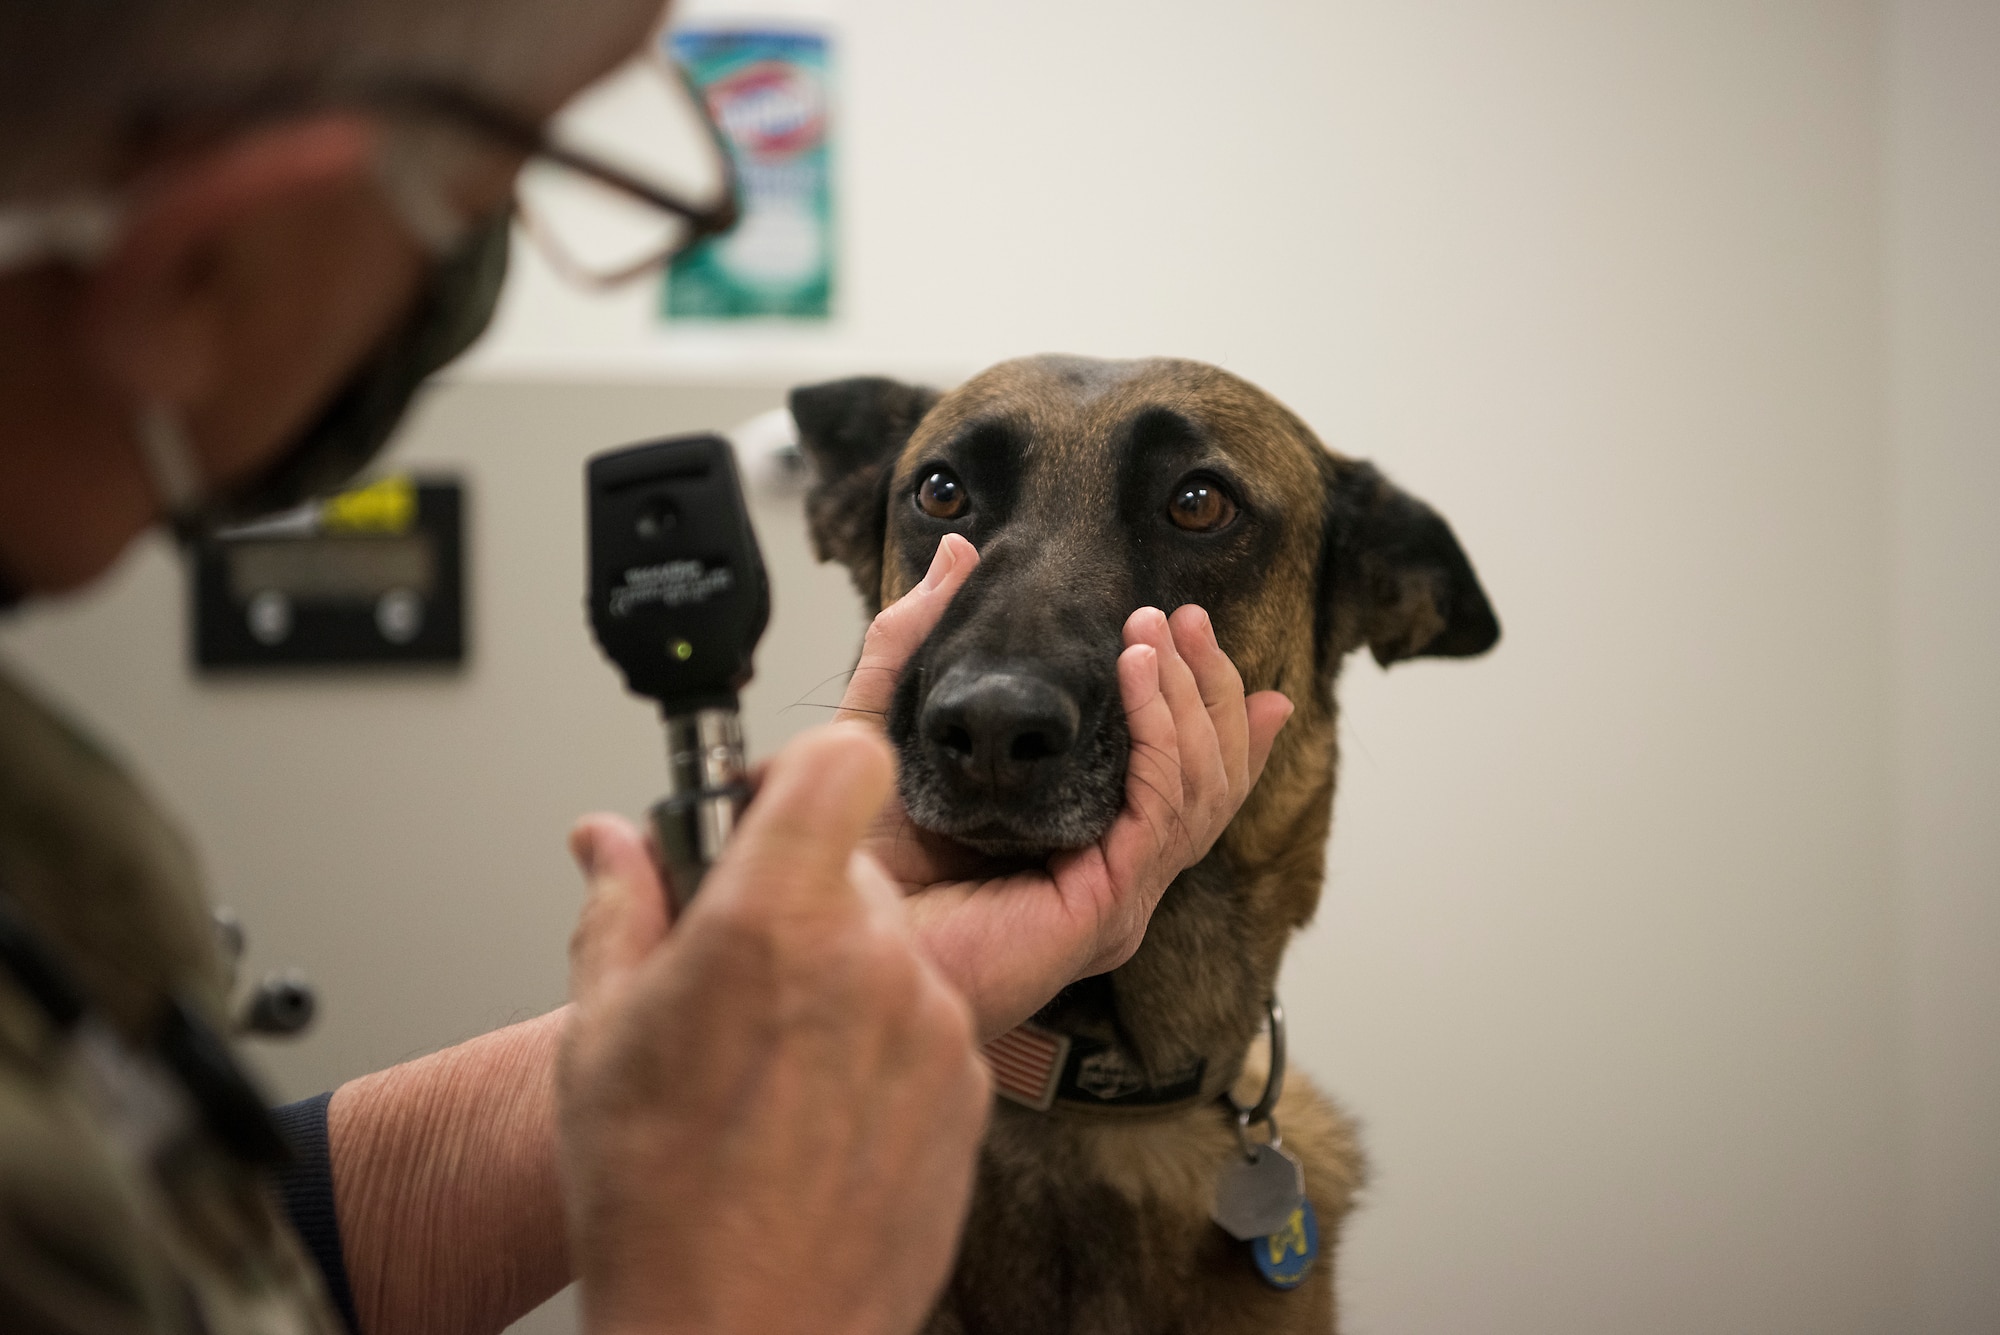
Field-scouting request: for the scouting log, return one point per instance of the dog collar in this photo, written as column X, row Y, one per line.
column 1046, row 1069
column 1041, row 1068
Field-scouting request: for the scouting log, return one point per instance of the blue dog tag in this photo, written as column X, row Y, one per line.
column 1284, row 1257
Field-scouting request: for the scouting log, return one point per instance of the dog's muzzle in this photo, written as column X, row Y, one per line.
column 1010, row 758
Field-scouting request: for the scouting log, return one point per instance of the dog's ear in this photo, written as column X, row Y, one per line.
column 852, row 431
column 1392, row 575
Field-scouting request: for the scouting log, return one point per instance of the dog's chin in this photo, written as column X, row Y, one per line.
column 1026, row 838
column 1004, row 845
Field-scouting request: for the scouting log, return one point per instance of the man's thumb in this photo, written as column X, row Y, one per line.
column 625, row 907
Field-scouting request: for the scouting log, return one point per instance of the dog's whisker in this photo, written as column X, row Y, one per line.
column 844, row 709
column 806, row 701
column 838, row 676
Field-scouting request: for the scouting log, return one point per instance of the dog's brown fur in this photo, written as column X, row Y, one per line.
column 1101, row 1223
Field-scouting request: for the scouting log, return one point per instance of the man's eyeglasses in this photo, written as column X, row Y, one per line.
column 628, row 176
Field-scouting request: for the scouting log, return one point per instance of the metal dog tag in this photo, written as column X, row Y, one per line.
column 1255, row 1196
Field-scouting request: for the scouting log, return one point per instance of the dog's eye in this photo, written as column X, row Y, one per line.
column 942, row 496
column 1200, row 505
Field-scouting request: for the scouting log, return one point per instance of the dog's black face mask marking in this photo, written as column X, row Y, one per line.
column 1092, row 489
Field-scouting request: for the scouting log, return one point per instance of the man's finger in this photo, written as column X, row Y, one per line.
column 1266, row 712
column 625, row 913
column 900, row 627
column 1221, row 686
column 819, row 796
column 1200, row 760
column 1152, row 818
column 1117, row 877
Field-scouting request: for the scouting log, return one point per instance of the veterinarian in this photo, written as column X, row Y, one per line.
column 228, row 257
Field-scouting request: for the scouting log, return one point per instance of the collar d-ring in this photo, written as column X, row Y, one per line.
column 1274, row 1078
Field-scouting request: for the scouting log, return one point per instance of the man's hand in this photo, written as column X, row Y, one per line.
column 768, row 1117
column 1011, row 942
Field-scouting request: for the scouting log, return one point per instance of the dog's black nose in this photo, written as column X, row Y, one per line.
column 999, row 730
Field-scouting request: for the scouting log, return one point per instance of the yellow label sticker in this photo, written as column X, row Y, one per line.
column 1285, row 1257
column 1291, row 1238
column 388, row 506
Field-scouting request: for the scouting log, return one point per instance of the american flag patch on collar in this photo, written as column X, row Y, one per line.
column 1027, row 1064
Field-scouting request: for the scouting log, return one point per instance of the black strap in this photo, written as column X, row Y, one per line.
column 234, row 1109
column 230, row 1105
column 37, row 970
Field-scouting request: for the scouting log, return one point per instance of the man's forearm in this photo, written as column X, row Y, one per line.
column 444, row 1177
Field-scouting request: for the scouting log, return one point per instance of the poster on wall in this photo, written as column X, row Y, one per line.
column 766, row 87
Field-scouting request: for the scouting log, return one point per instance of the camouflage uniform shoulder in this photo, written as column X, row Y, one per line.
column 133, row 1156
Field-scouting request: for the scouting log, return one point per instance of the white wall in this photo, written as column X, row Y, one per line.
column 1944, row 285
column 1634, row 961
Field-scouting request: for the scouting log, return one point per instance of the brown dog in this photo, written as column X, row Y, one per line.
column 1092, row 489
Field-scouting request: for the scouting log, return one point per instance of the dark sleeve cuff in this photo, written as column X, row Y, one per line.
column 305, row 1187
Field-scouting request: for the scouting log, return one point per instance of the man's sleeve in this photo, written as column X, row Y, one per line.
column 305, row 1187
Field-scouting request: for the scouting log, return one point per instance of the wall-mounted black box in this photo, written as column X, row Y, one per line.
column 372, row 576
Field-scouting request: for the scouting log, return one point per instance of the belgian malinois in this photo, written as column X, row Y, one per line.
column 1091, row 489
